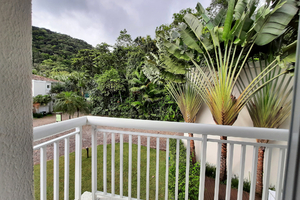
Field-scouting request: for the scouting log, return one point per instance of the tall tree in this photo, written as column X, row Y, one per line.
column 70, row 102
column 230, row 47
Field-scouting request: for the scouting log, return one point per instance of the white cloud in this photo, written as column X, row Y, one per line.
column 97, row 21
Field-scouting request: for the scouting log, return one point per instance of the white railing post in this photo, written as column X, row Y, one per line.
column 253, row 171
column 139, row 168
column 43, row 173
column 241, row 175
column 78, row 158
column 121, row 165
column 280, row 174
column 104, row 163
column 177, row 168
column 67, row 168
column 56, row 170
column 157, row 168
column 217, row 180
column 113, row 164
column 148, row 169
column 203, row 167
column 267, row 172
column 130, row 166
column 229, row 172
column 167, row 170
column 94, row 162
column 187, row 170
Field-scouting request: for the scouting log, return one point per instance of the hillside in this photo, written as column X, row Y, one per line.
column 54, row 50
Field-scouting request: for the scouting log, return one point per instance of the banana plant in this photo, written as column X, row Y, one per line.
column 224, row 50
column 189, row 103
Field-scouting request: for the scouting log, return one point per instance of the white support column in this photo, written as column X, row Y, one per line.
column 78, row 158
column 16, row 163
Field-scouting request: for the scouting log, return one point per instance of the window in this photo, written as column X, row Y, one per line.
column 48, row 86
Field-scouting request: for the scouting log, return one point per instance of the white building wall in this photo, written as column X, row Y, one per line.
column 16, row 162
column 39, row 88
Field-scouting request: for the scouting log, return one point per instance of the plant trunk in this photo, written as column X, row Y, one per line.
column 69, row 116
column 223, row 168
column 260, row 170
column 192, row 149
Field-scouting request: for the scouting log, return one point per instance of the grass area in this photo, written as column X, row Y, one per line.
column 86, row 173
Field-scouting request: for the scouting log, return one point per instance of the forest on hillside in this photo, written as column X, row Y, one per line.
column 53, row 51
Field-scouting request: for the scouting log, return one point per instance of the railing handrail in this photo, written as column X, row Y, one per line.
column 197, row 128
column 44, row 131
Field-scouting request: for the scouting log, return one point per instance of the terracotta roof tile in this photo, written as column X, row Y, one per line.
column 41, row 78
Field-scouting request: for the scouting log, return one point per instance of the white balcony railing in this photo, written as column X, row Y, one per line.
column 203, row 129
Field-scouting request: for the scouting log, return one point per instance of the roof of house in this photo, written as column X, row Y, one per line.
column 41, row 78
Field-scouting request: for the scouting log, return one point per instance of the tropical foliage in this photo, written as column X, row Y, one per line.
column 223, row 50
column 70, row 102
column 189, row 102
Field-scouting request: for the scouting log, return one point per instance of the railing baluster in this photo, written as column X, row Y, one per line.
column 43, row 173
column 148, row 168
column 55, row 170
column 78, row 157
column 157, row 168
column 67, row 169
column 113, row 164
column 280, row 174
column 139, row 168
column 253, row 171
column 177, row 169
column 129, row 167
column 121, row 165
column 217, row 180
column 241, row 174
column 104, row 163
column 94, row 162
column 167, row 170
column 267, row 172
column 203, row 167
column 187, row 172
column 229, row 172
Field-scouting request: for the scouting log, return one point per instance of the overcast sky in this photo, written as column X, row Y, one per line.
column 97, row 21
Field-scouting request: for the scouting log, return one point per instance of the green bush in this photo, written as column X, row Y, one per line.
column 42, row 99
column 37, row 115
column 194, row 174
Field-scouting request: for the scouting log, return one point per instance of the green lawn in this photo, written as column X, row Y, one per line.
column 86, row 173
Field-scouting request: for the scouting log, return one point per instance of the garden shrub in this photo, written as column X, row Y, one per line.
column 194, row 175
column 37, row 115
